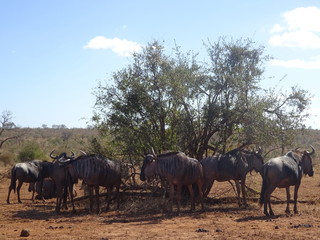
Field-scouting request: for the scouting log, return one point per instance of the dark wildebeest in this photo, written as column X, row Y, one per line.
column 178, row 169
column 62, row 180
column 48, row 188
column 95, row 171
column 32, row 171
column 283, row 172
column 234, row 165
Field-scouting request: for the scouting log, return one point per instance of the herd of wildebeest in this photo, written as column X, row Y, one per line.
column 57, row 178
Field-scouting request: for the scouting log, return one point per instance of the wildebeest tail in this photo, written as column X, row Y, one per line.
column 13, row 179
column 264, row 174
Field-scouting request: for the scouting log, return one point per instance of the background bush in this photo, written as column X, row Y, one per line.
column 30, row 152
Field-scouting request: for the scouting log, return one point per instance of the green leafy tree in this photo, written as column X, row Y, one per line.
column 176, row 103
column 286, row 110
column 139, row 107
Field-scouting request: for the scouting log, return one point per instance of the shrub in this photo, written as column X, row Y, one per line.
column 6, row 158
column 30, row 152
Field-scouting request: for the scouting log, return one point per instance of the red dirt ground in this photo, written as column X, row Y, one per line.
column 145, row 219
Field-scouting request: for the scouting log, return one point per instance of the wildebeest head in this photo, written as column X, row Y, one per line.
column 148, row 167
column 62, row 157
column 306, row 162
column 258, row 160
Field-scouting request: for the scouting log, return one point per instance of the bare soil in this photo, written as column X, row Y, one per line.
column 142, row 216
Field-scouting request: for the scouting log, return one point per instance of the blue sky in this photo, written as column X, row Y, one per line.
column 53, row 52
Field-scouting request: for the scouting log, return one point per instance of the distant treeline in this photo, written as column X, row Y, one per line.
column 37, row 143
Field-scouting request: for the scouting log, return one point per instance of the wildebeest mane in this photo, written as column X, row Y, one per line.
column 233, row 151
column 293, row 155
column 167, row 154
column 86, row 156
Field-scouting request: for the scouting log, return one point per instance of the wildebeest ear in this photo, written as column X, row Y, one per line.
column 259, row 151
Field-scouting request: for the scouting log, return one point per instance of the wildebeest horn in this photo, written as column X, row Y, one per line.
column 83, row 153
column 153, row 153
column 313, row 150
column 72, row 154
column 51, row 155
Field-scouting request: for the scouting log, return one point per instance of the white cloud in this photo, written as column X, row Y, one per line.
column 302, row 39
column 277, row 28
column 122, row 47
column 297, row 63
column 304, row 19
column 301, row 29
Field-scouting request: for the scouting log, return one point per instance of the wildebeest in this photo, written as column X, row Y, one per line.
column 32, row 171
column 95, row 171
column 283, row 172
column 48, row 188
column 62, row 180
column 234, row 165
column 178, row 169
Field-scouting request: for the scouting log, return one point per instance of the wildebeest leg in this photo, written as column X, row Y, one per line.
column 96, row 189
column 9, row 192
column 288, row 200
column 267, row 201
column 270, row 209
column 41, row 188
column 179, row 187
column 207, row 187
column 296, row 188
column 200, row 184
column 59, row 196
column 8, row 198
column 243, row 189
column 65, row 188
column 171, row 196
column 32, row 189
column 65, row 196
column 238, row 191
column 58, row 203
column 191, row 196
column 109, row 191
column 265, row 204
column 91, row 198
column 164, row 186
column 18, row 190
column 70, row 186
column 117, row 196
